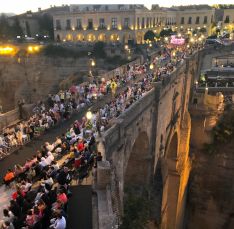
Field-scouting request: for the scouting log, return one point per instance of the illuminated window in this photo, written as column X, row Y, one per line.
column 102, row 23
column 114, row 23
column 143, row 22
column 79, row 23
column 126, row 23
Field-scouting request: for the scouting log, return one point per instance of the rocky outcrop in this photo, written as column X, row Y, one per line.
column 211, row 194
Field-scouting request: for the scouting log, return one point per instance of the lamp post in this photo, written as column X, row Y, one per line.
column 151, row 66
column 89, row 115
column 92, row 65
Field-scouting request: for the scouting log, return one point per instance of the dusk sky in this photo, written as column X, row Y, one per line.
column 20, row 6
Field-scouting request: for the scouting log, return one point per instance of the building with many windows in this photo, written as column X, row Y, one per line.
column 125, row 23
column 192, row 19
column 228, row 19
column 107, row 23
column 128, row 23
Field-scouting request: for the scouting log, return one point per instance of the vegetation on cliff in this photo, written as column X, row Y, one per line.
column 223, row 132
column 136, row 210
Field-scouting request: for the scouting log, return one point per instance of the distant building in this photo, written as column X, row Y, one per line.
column 29, row 21
column 124, row 23
column 107, row 23
column 194, row 18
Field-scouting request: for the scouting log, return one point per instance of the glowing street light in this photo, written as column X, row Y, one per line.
column 89, row 115
column 93, row 63
column 6, row 50
column 32, row 49
column 192, row 40
column 151, row 66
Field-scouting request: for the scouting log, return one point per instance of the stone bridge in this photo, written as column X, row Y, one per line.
column 149, row 145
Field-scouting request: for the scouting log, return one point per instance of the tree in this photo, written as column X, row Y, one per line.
column 5, row 29
column 99, row 50
column 46, row 25
column 28, row 31
column 16, row 29
column 136, row 211
column 203, row 30
column 149, row 35
column 165, row 32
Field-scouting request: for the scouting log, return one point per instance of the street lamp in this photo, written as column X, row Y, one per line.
column 151, row 66
column 89, row 115
column 93, row 63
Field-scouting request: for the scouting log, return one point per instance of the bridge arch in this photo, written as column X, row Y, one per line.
column 137, row 170
column 171, row 182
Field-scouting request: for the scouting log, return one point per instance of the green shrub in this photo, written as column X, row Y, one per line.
column 59, row 51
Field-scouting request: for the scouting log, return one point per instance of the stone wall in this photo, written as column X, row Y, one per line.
column 32, row 78
column 9, row 118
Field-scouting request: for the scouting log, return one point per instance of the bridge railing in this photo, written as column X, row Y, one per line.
column 114, row 134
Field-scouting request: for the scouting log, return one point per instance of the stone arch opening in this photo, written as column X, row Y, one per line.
column 138, row 165
column 171, row 184
column 102, row 37
column 80, row 37
column 139, row 38
column 58, row 39
column 127, row 38
column 69, row 37
column 171, row 152
column 157, row 194
column 114, row 37
column 91, row 37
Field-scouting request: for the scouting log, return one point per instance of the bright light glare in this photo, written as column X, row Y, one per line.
column 6, row 50
column 89, row 115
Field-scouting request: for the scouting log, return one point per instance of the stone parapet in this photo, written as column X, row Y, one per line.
column 103, row 174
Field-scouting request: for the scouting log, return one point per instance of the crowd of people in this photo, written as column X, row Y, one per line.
column 60, row 107
column 42, row 184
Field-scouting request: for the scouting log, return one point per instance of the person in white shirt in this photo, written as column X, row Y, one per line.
column 59, row 222
column 49, row 147
column 43, row 162
column 50, row 158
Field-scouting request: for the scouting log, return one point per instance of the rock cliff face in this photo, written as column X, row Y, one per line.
column 210, row 202
column 34, row 77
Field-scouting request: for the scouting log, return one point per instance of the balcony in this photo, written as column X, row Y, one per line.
column 90, row 27
column 79, row 28
column 126, row 27
column 58, row 28
column 101, row 27
column 68, row 27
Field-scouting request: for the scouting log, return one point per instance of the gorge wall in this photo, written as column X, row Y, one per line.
column 34, row 77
